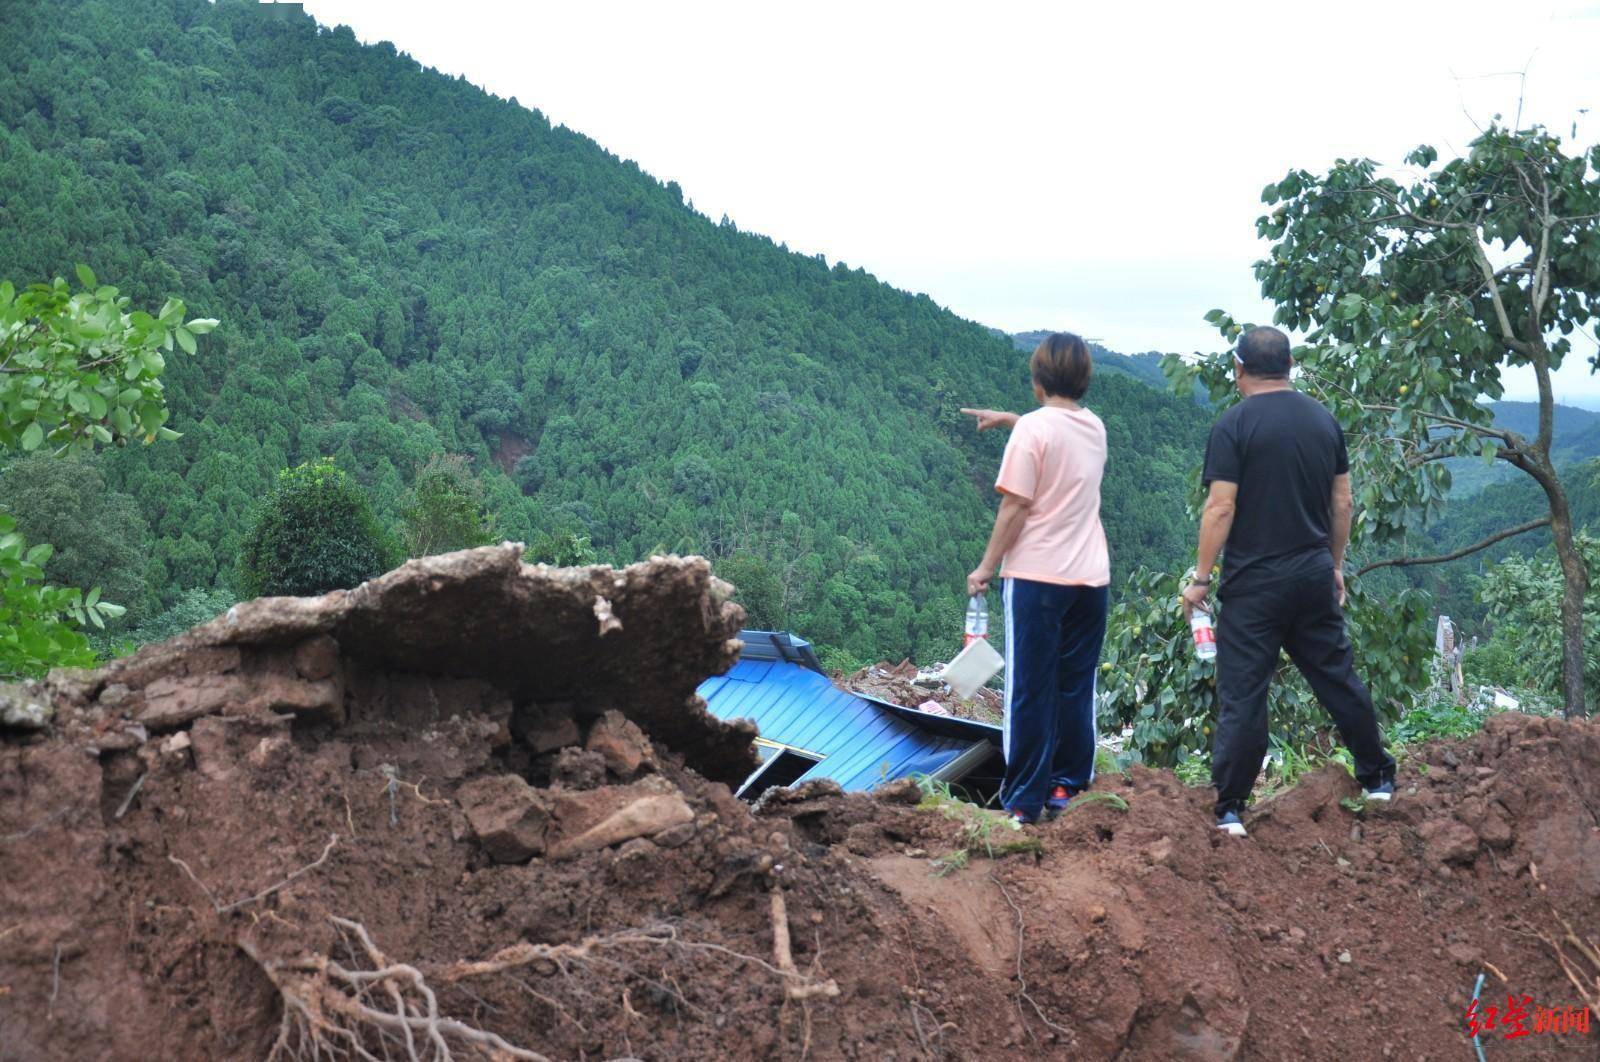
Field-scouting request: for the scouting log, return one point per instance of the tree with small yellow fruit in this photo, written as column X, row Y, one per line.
column 1489, row 262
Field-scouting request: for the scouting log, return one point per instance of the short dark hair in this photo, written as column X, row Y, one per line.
column 1264, row 353
column 1061, row 366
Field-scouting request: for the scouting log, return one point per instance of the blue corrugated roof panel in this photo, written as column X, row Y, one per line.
column 860, row 743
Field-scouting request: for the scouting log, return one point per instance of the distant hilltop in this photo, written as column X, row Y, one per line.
column 1145, row 367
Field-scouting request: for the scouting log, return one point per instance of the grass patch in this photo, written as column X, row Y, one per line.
column 1095, row 796
column 982, row 831
column 1437, row 719
column 1105, row 762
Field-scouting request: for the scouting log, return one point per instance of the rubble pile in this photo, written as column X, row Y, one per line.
column 474, row 808
column 911, row 687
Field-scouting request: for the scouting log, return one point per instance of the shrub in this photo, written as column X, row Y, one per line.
column 314, row 533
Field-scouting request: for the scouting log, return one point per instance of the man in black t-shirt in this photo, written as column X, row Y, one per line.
column 1279, row 483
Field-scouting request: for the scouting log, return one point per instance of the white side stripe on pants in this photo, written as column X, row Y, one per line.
column 1011, row 672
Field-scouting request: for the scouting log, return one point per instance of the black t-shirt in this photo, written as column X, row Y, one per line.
column 1283, row 449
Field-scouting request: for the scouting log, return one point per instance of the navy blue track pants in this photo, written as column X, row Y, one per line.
column 1053, row 638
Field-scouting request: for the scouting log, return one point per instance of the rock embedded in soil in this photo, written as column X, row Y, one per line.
column 600, row 818
column 1449, row 841
column 621, row 744
column 508, row 816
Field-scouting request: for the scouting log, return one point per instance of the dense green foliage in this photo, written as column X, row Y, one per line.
column 315, row 532
column 99, row 535
column 76, row 370
column 1454, row 585
column 1523, row 598
column 40, row 624
column 80, row 369
column 409, row 267
column 444, row 511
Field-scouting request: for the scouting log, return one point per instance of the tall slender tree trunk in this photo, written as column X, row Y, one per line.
column 1575, row 587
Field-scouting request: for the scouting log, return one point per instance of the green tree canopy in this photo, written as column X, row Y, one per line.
column 1416, row 293
column 99, row 536
column 444, row 509
column 316, row 532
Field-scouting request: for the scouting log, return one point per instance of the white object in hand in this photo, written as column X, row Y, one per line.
column 1205, row 636
column 972, row 667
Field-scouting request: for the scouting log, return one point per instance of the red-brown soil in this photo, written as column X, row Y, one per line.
column 513, row 800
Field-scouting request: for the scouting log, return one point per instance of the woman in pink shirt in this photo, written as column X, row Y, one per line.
column 1050, row 552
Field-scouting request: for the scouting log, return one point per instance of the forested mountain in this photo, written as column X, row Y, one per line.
column 1493, row 508
column 1146, row 367
column 1577, row 438
column 405, row 266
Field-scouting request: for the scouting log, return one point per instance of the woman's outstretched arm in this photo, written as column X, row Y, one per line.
column 992, row 418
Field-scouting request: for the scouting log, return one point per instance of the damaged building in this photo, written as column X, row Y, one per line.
column 810, row 728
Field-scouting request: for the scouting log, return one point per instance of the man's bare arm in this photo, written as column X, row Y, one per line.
column 1340, row 508
column 1215, row 523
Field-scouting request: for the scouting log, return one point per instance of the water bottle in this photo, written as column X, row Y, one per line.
column 977, row 619
column 1205, row 636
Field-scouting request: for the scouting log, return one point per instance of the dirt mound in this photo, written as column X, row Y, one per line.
column 459, row 809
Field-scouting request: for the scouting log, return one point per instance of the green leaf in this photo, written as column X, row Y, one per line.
column 185, row 340
column 32, row 436
column 201, row 325
column 168, row 434
column 86, row 276
column 40, row 554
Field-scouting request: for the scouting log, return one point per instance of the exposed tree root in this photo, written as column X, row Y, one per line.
column 333, row 1012
column 222, row 908
column 385, row 1009
column 1578, row 956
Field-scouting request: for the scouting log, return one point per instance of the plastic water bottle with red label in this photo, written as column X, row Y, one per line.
column 1205, row 635
column 977, row 619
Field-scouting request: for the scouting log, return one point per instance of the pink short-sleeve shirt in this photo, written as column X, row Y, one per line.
column 1055, row 459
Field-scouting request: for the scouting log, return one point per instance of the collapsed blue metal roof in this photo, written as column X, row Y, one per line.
column 857, row 741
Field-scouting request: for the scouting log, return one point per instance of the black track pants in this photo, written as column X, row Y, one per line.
column 1301, row 614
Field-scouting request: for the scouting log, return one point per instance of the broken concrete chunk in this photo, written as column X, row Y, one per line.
column 509, row 817
column 270, row 753
column 621, row 743
column 113, row 696
column 603, row 613
column 279, row 693
column 21, row 708
column 173, row 700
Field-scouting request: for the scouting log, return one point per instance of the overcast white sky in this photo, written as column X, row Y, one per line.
column 1048, row 165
